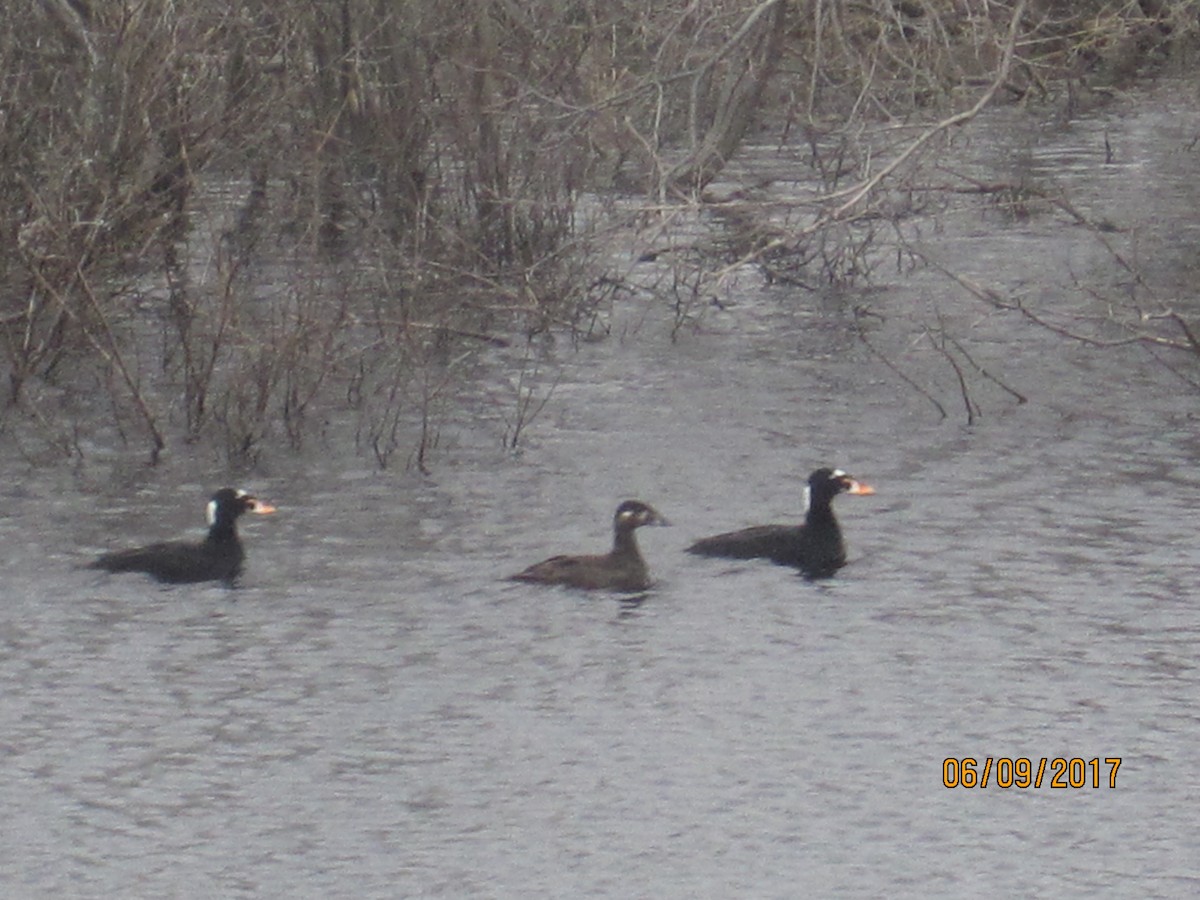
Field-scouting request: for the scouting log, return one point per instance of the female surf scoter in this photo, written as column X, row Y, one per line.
column 621, row 569
column 216, row 558
column 815, row 548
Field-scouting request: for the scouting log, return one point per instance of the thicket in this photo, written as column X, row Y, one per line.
column 232, row 222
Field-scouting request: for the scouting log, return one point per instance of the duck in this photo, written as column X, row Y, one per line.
column 218, row 557
column 815, row 548
column 621, row 569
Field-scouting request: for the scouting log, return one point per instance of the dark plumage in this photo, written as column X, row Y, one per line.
column 217, row 558
column 621, row 569
column 815, row 548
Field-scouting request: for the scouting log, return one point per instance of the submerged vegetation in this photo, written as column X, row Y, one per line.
column 231, row 223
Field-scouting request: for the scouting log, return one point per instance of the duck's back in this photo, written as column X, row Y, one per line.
column 589, row 572
column 179, row 563
column 815, row 551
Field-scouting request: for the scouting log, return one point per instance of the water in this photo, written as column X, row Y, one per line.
column 376, row 713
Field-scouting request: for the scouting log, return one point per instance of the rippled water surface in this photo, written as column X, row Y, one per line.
column 376, row 713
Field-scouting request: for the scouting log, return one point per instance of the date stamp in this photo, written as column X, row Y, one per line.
column 1023, row 772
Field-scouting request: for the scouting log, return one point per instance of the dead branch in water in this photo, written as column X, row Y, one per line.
column 329, row 205
column 883, row 358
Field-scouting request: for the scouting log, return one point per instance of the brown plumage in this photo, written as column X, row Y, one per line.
column 621, row 569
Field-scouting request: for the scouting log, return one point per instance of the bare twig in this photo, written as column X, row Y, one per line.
column 1017, row 395
column 882, row 357
column 940, row 346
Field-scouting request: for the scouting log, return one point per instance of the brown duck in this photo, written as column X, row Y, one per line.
column 621, row 569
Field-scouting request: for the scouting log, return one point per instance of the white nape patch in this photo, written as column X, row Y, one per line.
column 211, row 513
column 807, row 499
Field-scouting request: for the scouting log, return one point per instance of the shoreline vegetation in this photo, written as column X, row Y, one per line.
column 227, row 225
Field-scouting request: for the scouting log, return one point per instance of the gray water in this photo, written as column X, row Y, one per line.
column 377, row 713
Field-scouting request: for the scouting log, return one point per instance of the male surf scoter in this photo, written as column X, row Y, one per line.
column 216, row 558
column 621, row 569
column 815, row 548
